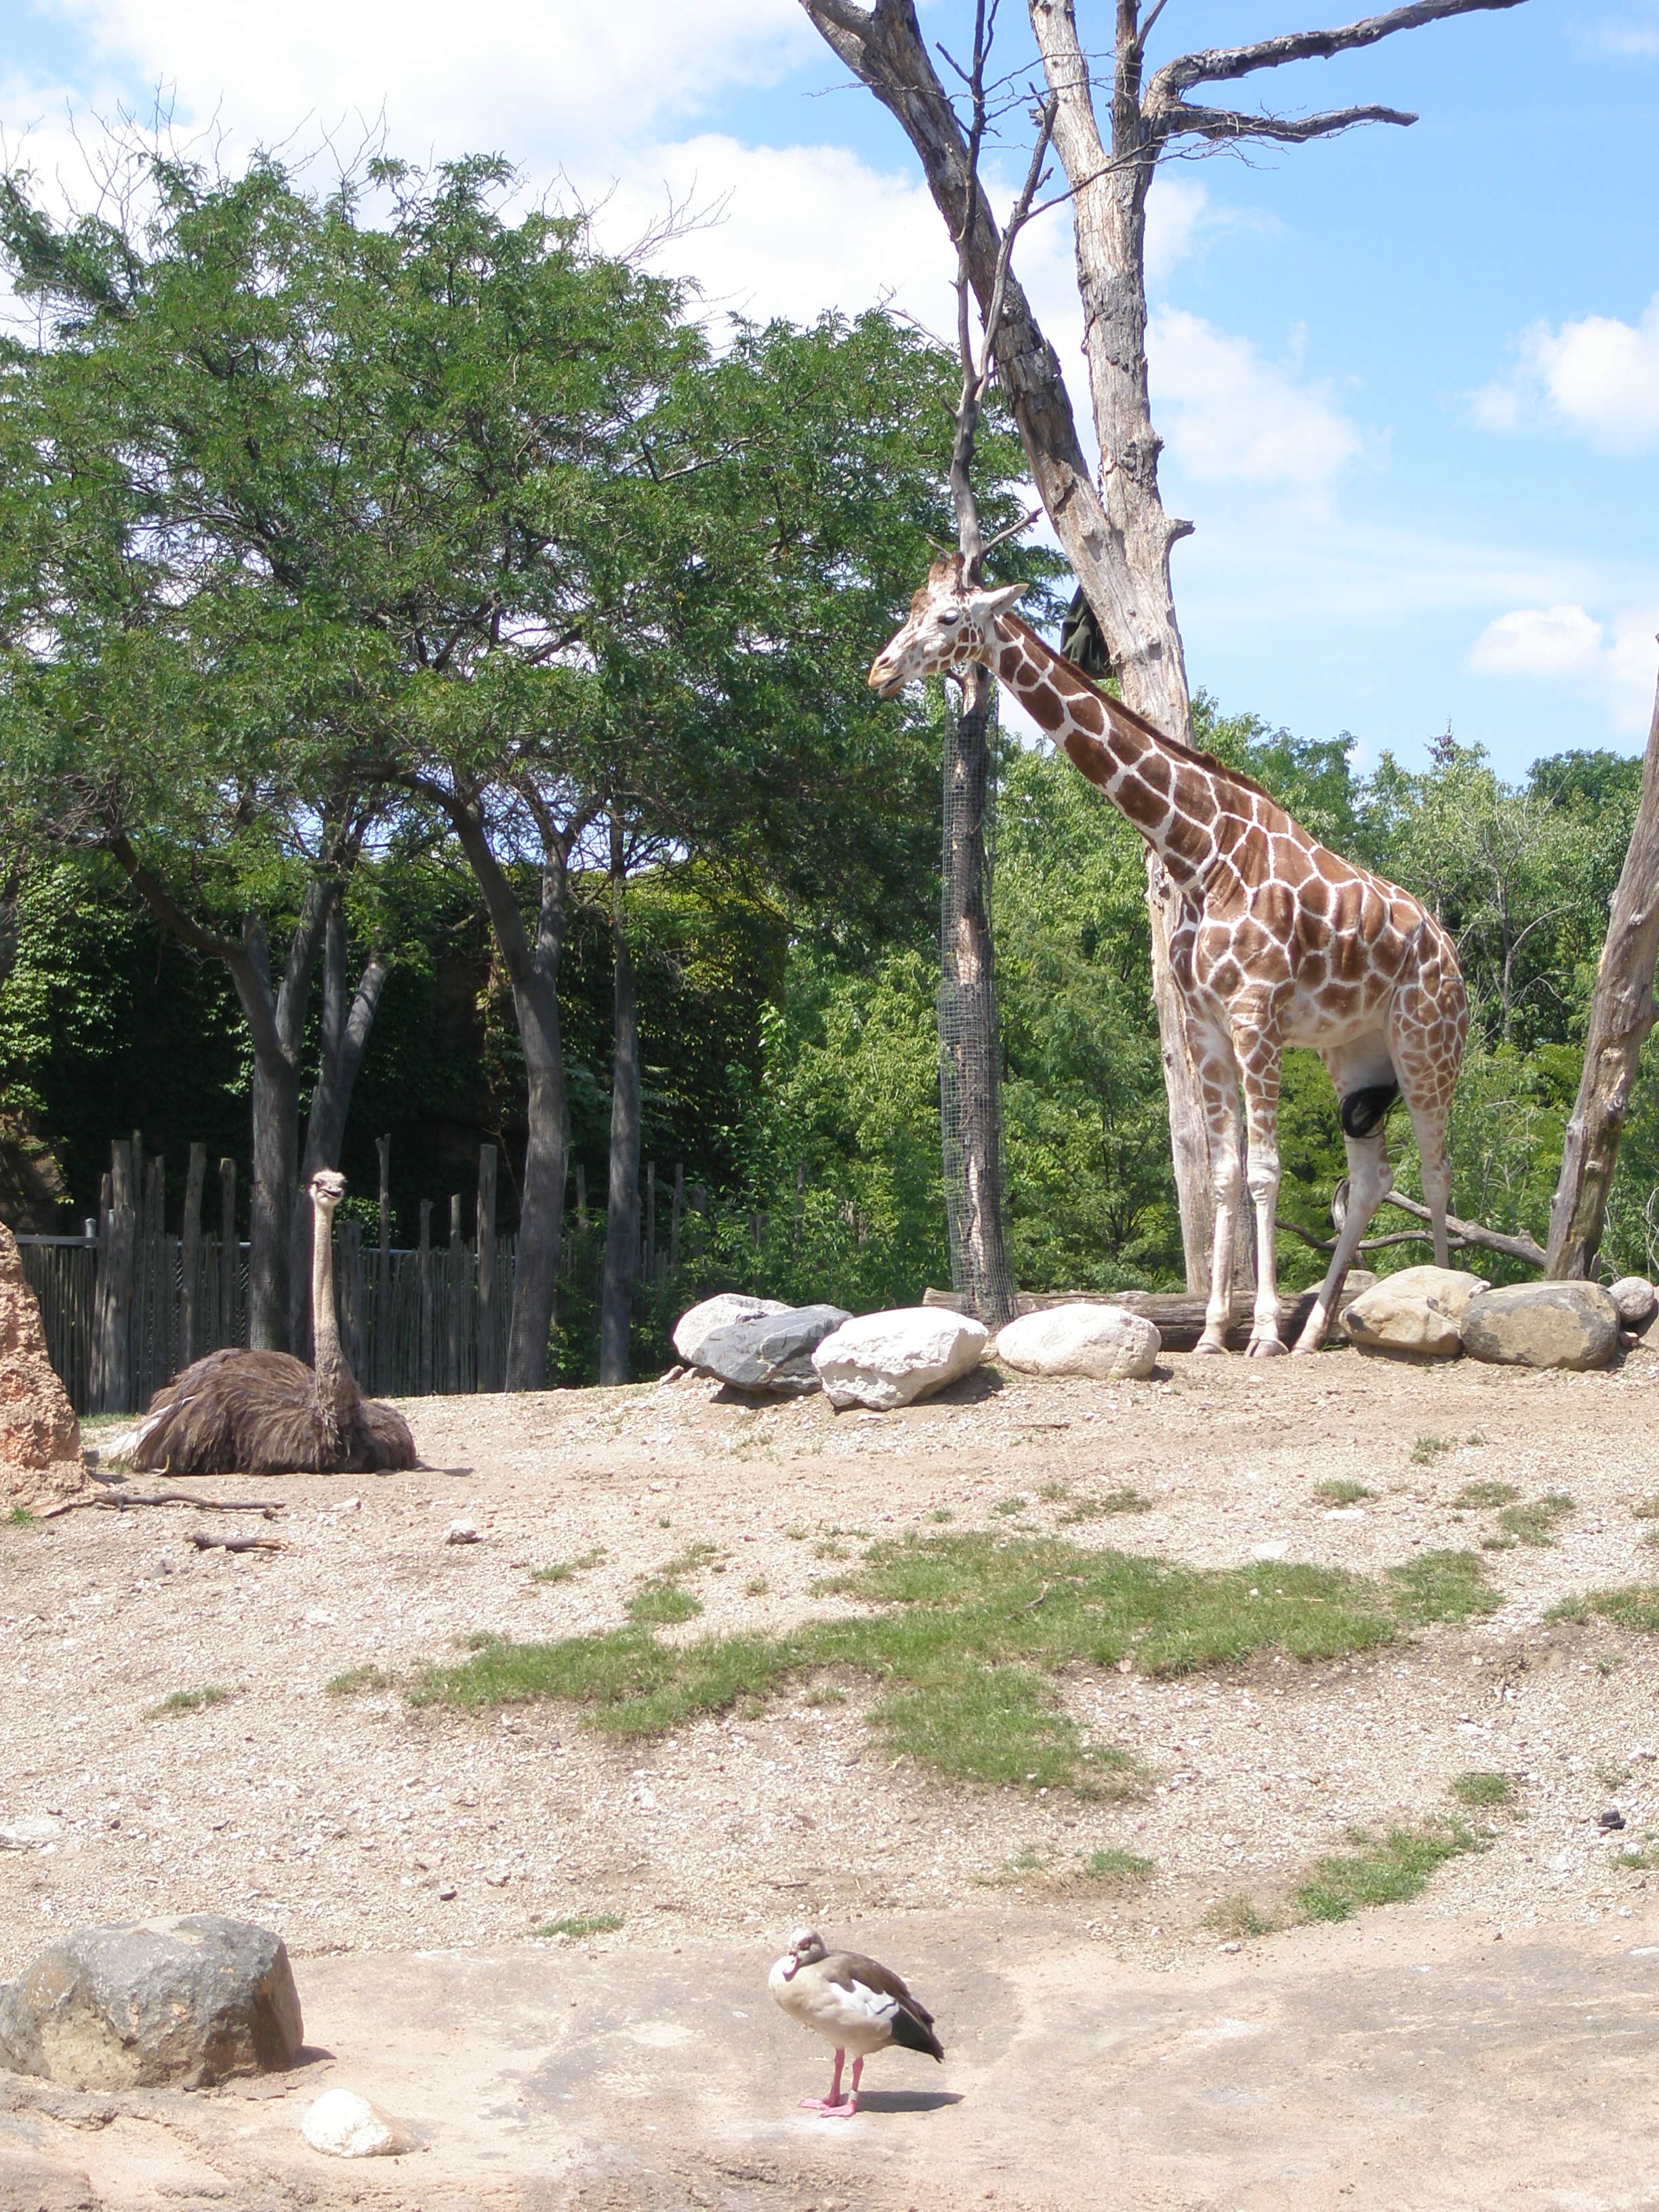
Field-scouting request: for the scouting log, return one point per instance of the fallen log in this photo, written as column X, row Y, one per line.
column 203, row 1543
column 119, row 1501
column 1177, row 1315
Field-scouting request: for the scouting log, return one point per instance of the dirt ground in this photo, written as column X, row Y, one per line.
column 344, row 1821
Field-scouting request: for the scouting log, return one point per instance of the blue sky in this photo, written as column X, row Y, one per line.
column 1409, row 379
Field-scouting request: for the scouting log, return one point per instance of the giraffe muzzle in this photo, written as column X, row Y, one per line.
column 886, row 677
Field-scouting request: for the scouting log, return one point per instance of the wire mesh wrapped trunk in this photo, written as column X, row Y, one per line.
column 969, row 1044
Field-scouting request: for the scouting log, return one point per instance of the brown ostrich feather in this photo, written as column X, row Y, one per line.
column 265, row 1412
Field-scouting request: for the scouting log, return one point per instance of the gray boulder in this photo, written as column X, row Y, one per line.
column 700, row 1321
column 1574, row 1325
column 1414, row 1314
column 773, row 1353
column 147, row 2003
column 1636, row 1299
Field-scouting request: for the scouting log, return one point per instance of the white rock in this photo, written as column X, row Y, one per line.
column 1416, row 1312
column 343, row 2124
column 462, row 1531
column 703, row 1320
column 1635, row 1298
column 1106, row 1342
column 28, row 1830
column 888, row 1359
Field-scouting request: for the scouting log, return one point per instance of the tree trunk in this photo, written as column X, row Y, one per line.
column 970, row 1106
column 533, row 968
column 191, row 1336
column 621, row 1216
column 1123, row 569
column 1621, row 1014
column 348, row 1019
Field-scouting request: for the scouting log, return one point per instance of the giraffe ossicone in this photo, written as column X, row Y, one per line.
column 1275, row 942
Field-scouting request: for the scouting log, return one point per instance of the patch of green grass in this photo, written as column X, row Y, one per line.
column 1638, row 1861
column 1053, row 1493
column 1388, row 1872
column 21, row 1517
column 1015, row 1505
column 797, row 1535
column 756, row 1586
column 1427, row 1450
column 360, row 1678
column 582, row 1924
column 189, row 1701
column 1478, row 1788
column 691, row 1561
column 1236, row 1917
column 968, row 1632
column 1481, row 1494
column 663, row 1604
column 1634, row 1605
column 1339, row 1490
column 941, row 1513
column 1114, row 1864
column 830, row 1547
column 561, row 1571
column 1096, row 1508
column 1611, row 1774
column 1646, row 1510
column 825, row 1695
column 1536, row 1523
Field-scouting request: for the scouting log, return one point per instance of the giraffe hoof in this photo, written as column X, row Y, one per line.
column 1209, row 1344
column 1264, row 1347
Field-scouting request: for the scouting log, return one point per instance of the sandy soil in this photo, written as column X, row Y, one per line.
column 342, row 1821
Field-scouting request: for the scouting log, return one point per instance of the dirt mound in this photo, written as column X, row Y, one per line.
column 39, row 1436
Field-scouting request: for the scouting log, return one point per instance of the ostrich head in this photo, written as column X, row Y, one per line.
column 950, row 624
column 327, row 1189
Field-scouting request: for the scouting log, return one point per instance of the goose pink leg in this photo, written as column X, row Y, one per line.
column 835, row 2107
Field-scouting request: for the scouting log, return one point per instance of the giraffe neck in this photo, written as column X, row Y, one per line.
column 1163, row 792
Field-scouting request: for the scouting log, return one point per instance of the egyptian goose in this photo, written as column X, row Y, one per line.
column 852, row 2002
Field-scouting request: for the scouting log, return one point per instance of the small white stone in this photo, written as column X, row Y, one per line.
column 1276, row 1551
column 1635, row 1298
column 462, row 1531
column 343, row 2124
column 28, row 1831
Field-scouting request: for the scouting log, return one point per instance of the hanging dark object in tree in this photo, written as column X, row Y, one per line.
column 1083, row 641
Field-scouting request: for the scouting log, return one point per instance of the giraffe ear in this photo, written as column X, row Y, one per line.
column 985, row 606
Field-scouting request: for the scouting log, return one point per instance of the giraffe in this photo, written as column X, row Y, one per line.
column 1276, row 942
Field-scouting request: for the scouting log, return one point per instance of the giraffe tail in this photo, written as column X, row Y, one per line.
column 1363, row 1113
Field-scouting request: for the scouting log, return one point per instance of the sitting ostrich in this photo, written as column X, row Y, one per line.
column 266, row 1412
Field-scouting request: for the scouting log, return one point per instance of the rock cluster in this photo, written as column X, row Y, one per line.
column 1415, row 1314
column 887, row 1359
column 39, row 1436
column 1105, row 1342
column 148, row 2004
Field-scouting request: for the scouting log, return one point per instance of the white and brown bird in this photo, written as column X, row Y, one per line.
column 853, row 2004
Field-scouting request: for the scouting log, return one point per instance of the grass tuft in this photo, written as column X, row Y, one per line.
column 663, row 1605
column 1427, row 1450
column 1237, row 1918
column 1443, row 1586
column 360, row 1678
column 1387, row 1873
column 1116, row 1864
column 1482, row 1494
column 561, row 1571
column 581, row 1925
column 1535, row 1524
column 1339, row 1490
column 1646, row 1508
column 1128, row 1500
column 1477, row 1789
column 1634, row 1605
column 189, row 1701
column 21, row 1517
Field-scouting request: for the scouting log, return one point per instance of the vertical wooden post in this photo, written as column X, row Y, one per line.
column 489, row 1378
column 97, row 1373
column 228, row 1254
column 118, row 1315
column 457, row 1295
column 423, row 1352
column 189, row 1255
column 677, row 1208
column 581, row 1199
column 383, row 1275
column 350, row 1235
column 154, row 1367
column 700, row 1207
column 650, row 1221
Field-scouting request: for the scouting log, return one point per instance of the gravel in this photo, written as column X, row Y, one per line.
column 356, row 1822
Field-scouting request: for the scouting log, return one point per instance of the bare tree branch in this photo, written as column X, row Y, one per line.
column 1215, row 64
column 1225, row 124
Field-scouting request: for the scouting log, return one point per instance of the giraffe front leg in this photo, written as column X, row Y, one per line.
column 1225, row 1181
column 1261, row 1078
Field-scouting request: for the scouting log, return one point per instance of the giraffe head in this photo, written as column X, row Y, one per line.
column 951, row 623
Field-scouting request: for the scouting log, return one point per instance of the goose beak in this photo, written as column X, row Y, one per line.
column 792, row 1969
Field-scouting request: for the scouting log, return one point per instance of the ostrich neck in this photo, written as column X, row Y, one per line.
column 334, row 1377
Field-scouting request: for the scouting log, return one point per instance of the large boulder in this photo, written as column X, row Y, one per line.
column 1574, row 1325
column 40, row 1457
column 695, row 1326
column 887, row 1359
column 1636, row 1299
column 146, row 2003
column 1415, row 1314
column 1105, row 1342
column 772, row 1355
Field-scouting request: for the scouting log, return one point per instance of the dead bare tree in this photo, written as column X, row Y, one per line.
column 1117, row 535
column 1621, row 1014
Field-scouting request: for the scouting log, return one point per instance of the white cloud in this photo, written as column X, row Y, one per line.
column 1231, row 416
column 1596, row 376
column 1565, row 644
column 1623, row 38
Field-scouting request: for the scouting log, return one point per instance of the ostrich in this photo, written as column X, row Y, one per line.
column 265, row 1412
